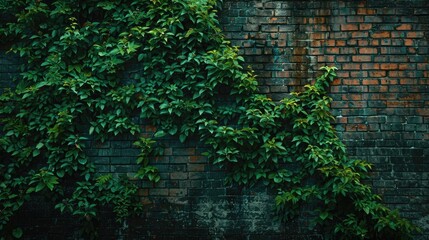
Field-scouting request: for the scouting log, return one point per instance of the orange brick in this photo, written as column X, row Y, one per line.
column 385, row 81
column 384, row 34
column 351, row 66
column 415, row 35
column 340, row 43
column 359, row 74
column 361, row 58
column 375, row 42
column 370, row 82
column 389, row 66
column 368, row 66
column 325, row 58
column 365, row 11
column 368, row 50
column 349, row 27
column 412, row 50
column 352, row 97
column 362, row 43
column 377, row 73
column 404, row 27
column 408, row 42
column 360, row 34
column 407, row 81
column 351, row 81
column 365, row 26
column 397, row 74
column 333, row 50
column 336, row 81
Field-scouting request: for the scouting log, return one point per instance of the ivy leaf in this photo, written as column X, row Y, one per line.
column 82, row 161
column 182, row 138
column 17, row 233
column 40, row 145
column 323, row 215
column 160, row 134
column 40, row 186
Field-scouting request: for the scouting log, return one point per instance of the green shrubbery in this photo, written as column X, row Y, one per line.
column 97, row 69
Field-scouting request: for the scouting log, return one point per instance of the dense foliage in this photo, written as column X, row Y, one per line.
column 96, row 69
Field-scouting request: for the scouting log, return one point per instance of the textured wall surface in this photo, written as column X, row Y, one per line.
column 381, row 97
column 381, row 100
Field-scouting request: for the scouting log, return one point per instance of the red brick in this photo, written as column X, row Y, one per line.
column 398, row 34
column 380, row 89
column 362, row 43
column 356, row 127
column 370, row 82
column 326, row 58
column 409, row 42
column 338, row 104
column 351, row 51
column 375, row 42
column 351, row 66
column 349, row 27
column 340, row 43
column 377, row 74
column 351, row 81
column 352, row 42
column 315, row 20
column 336, row 81
column 342, row 58
column 332, row 50
column 352, row 97
column 196, row 167
column 387, row 81
column 339, row 35
column 343, row 74
column 319, row 35
column 365, row 11
column 359, row 74
column 388, row 66
column 359, row 35
column 317, row 43
column 330, row 43
column 404, row 27
column 384, row 34
column 361, row 58
column 369, row 66
column 341, row 120
column 365, row 26
column 412, row 50
column 355, row 19
column 406, row 66
column 197, row 159
column 415, row 34
column 397, row 74
column 381, row 58
column 406, row 81
column 368, row 50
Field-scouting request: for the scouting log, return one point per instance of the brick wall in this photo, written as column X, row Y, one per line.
column 380, row 100
column 381, row 96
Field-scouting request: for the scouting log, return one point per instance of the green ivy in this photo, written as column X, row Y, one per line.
column 97, row 69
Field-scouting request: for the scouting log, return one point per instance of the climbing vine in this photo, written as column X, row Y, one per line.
column 97, row 69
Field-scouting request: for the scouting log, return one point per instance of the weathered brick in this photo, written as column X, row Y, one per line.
column 368, row 50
